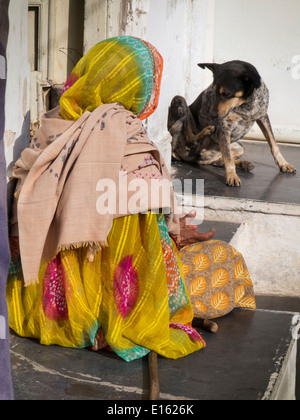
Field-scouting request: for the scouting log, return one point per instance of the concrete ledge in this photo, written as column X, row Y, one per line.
column 233, row 209
column 239, row 210
column 268, row 237
column 282, row 385
column 270, row 245
column 252, row 357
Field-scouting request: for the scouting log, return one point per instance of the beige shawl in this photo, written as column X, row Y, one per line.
column 56, row 194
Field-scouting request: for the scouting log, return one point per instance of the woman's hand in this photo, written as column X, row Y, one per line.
column 189, row 233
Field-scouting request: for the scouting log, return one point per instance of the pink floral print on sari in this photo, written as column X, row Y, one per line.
column 54, row 299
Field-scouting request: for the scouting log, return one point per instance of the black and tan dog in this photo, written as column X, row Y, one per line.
column 208, row 130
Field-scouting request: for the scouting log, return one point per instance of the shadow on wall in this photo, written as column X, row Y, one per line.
column 19, row 145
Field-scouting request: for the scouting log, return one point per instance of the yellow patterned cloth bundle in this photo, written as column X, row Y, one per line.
column 217, row 279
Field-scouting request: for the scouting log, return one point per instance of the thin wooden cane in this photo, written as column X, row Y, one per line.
column 153, row 376
column 210, row 326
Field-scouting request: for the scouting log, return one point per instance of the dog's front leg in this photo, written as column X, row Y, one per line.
column 232, row 178
column 266, row 128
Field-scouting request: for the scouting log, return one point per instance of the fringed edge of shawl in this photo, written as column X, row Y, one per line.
column 84, row 244
column 94, row 246
column 31, row 282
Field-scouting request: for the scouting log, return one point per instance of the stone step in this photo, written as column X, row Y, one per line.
column 252, row 357
column 266, row 208
column 254, row 354
column 264, row 184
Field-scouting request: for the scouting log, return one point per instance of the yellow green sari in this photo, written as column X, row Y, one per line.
column 131, row 299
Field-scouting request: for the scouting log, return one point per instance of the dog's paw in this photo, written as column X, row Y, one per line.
column 232, row 180
column 210, row 129
column 175, row 156
column 288, row 168
column 245, row 165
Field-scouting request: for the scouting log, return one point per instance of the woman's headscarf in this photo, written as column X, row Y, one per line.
column 122, row 69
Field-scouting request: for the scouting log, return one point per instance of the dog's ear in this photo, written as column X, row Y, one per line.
column 251, row 80
column 211, row 66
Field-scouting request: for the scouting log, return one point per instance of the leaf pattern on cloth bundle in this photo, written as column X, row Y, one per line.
column 247, row 278
column 185, row 269
column 248, row 302
column 198, row 286
column 194, row 247
column 239, row 293
column 217, row 279
column 219, row 254
column 126, row 286
column 220, row 278
column 201, row 262
column 239, row 270
column 220, row 301
column 200, row 306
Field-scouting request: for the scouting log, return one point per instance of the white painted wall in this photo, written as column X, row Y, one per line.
column 180, row 29
column 267, row 34
column 263, row 32
column 17, row 118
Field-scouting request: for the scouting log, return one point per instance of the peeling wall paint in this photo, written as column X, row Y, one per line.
column 133, row 17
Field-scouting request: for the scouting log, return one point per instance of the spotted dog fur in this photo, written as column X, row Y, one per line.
column 208, row 131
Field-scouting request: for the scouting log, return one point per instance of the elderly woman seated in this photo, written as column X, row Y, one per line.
column 127, row 280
